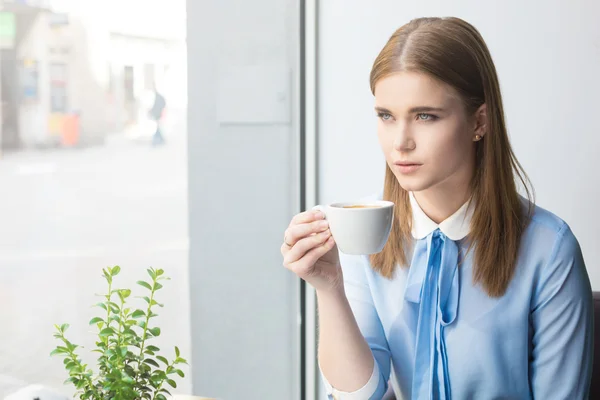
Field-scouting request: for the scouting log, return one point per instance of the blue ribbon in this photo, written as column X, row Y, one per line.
column 433, row 284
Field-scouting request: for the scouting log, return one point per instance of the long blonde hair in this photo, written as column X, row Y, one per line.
column 452, row 51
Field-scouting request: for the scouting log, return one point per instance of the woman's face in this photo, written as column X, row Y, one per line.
column 425, row 133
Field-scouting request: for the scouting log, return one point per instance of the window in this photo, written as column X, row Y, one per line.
column 89, row 186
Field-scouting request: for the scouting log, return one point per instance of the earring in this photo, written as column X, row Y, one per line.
column 477, row 138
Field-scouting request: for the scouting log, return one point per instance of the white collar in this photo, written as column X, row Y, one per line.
column 455, row 227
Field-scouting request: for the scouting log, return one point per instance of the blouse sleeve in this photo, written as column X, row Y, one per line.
column 359, row 296
column 562, row 321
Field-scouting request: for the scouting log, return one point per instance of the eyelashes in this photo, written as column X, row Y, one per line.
column 425, row 117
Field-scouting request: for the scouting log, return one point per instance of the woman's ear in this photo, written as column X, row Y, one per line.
column 481, row 121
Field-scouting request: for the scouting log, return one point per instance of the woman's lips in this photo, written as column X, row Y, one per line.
column 407, row 167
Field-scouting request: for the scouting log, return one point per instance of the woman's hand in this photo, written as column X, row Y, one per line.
column 310, row 251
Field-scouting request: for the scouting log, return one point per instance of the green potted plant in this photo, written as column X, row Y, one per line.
column 128, row 366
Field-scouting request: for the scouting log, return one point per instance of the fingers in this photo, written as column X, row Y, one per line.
column 312, row 256
column 303, row 246
column 307, row 216
column 297, row 229
column 297, row 232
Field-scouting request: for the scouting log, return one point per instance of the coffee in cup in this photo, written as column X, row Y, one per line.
column 361, row 206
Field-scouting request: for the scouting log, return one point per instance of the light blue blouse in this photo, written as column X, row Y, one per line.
column 436, row 335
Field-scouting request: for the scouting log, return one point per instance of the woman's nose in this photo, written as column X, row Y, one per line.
column 403, row 140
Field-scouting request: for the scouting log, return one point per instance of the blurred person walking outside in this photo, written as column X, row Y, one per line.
column 156, row 114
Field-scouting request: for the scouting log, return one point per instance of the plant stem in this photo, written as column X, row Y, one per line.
column 120, row 333
column 161, row 382
column 148, row 311
column 108, row 321
column 83, row 374
column 108, row 298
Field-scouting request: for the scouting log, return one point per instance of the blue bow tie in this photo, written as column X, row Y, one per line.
column 433, row 284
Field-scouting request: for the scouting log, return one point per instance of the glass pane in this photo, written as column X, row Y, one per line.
column 93, row 171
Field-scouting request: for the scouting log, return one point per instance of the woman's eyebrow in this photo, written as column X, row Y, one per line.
column 425, row 109
column 419, row 109
column 382, row 110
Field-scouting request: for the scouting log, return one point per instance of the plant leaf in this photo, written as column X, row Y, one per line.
column 114, row 308
column 107, row 275
column 160, row 396
column 180, row 373
column 115, row 271
column 159, row 272
column 106, row 332
column 138, row 314
column 102, row 305
column 96, row 320
column 151, row 362
column 144, row 284
column 164, row 360
column 59, row 350
column 157, row 286
column 70, row 380
column 64, row 327
column 177, row 353
column 151, row 273
column 172, row 383
column 126, row 293
column 155, row 331
column 155, row 303
column 70, row 365
column 71, row 346
column 152, row 348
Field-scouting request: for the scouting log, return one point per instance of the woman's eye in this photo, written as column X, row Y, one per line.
column 426, row 117
column 385, row 116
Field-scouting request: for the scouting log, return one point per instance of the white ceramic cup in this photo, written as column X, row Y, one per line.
column 359, row 227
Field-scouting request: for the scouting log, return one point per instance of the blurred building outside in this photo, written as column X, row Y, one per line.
column 75, row 72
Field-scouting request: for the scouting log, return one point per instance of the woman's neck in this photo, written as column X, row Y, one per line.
column 439, row 203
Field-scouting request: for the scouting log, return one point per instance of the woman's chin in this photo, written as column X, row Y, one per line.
column 412, row 185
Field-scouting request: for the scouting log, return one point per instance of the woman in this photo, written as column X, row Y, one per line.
column 478, row 294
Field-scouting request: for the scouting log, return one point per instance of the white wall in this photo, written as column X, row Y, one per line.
column 244, row 304
column 547, row 54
